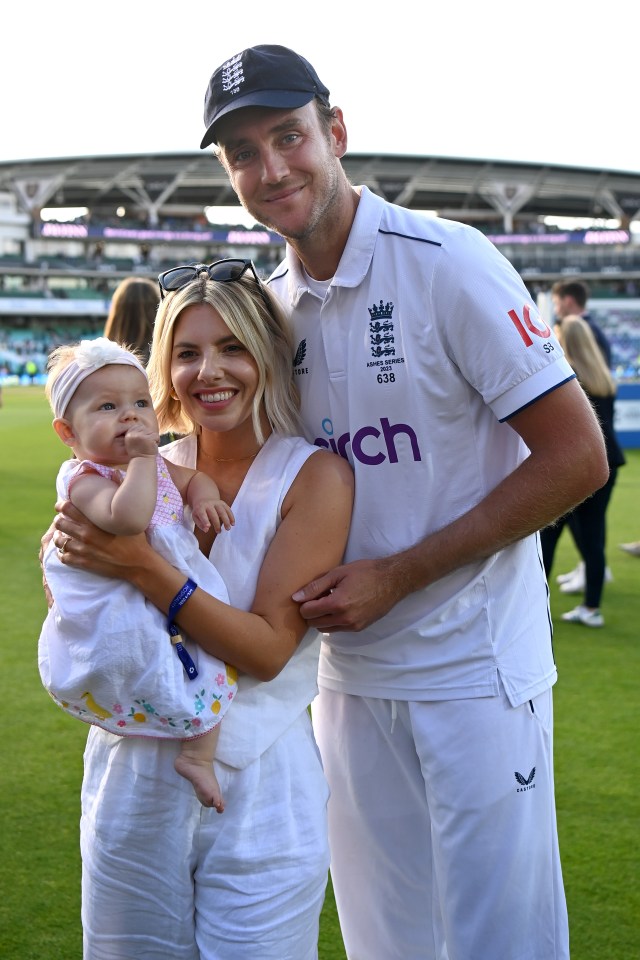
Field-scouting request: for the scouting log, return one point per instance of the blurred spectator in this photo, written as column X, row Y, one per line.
column 31, row 370
column 569, row 298
column 132, row 314
column 588, row 519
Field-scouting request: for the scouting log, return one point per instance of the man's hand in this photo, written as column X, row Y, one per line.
column 351, row 597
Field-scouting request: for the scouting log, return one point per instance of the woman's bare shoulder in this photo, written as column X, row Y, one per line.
column 323, row 475
column 324, row 464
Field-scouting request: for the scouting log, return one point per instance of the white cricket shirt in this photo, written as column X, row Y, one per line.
column 426, row 342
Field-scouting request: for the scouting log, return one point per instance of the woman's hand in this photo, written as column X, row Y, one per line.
column 83, row 545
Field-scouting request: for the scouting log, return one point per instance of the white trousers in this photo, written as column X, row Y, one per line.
column 442, row 828
column 166, row 879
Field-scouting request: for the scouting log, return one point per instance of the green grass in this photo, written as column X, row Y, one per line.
column 596, row 708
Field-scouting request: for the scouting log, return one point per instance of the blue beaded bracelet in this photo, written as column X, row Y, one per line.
column 178, row 601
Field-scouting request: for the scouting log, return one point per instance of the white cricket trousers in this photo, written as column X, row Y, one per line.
column 442, row 828
column 163, row 878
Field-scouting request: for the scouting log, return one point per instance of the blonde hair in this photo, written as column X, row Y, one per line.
column 583, row 353
column 132, row 313
column 264, row 333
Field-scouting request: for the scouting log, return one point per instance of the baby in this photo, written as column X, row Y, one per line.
column 106, row 655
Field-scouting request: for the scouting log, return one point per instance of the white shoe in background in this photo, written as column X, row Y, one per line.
column 565, row 577
column 576, row 583
column 632, row 548
column 589, row 618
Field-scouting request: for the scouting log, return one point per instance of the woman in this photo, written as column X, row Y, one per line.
column 588, row 519
column 161, row 877
column 132, row 312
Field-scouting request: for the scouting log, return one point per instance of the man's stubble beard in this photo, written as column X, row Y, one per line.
column 322, row 213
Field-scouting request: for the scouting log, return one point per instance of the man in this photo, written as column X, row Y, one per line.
column 569, row 297
column 421, row 358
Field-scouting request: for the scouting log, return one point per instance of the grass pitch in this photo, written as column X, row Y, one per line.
column 597, row 709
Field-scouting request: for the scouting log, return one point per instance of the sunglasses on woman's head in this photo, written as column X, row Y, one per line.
column 222, row 271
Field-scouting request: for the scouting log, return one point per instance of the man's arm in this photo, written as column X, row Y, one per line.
column 567, row 463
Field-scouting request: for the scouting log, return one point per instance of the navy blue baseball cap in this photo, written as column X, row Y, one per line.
column 264, row 76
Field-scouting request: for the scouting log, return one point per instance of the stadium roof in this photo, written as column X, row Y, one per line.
column 183, row 184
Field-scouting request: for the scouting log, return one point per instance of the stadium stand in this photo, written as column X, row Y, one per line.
column 143, row 213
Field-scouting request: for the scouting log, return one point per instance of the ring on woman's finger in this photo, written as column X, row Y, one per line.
column 62, row 549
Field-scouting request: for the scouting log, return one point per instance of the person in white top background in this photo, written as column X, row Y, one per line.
column 421, row 358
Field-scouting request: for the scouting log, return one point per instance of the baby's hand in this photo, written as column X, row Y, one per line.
column 212, row 513
column 141, row 441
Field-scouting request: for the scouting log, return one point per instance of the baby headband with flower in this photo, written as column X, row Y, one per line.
column 90, row 355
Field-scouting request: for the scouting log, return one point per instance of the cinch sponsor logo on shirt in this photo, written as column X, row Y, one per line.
column 370, row 445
